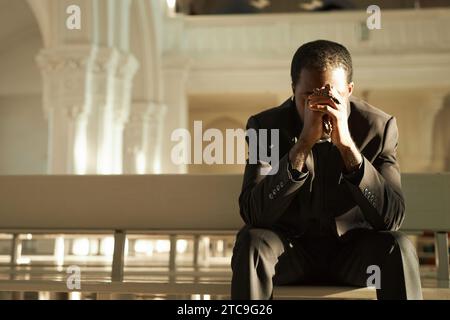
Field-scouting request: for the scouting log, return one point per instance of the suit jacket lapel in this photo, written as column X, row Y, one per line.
column 293, row 124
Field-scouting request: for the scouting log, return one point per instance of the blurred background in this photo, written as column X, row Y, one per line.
column 105, row 98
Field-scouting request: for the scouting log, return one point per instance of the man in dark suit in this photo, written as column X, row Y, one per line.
column 328, row 211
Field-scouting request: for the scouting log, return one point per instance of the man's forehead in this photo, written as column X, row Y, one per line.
column 312, row 78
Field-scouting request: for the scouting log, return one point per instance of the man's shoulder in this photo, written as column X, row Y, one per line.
column 367, row 110
column 371, row 117
column 270, row 118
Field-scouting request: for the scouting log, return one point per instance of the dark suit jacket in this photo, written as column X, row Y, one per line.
column 326, row 202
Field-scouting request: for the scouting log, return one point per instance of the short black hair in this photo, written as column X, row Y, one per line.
column 321, row 55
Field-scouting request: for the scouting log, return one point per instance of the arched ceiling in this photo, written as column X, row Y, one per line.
column 16, row 23
column 20, row 42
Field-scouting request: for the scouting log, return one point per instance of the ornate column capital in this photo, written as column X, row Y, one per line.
column 127, row 67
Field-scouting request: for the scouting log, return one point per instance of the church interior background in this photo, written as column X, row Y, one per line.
column 104, row 99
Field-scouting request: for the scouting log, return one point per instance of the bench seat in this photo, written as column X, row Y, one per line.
column 107, row 290
column 173, row 205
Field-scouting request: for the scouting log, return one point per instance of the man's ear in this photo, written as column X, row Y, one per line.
column 351, row 86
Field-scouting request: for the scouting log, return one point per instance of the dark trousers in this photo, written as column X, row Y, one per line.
column 263, row 258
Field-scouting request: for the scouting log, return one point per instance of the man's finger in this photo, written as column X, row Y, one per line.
column 315, row 100
column 334, row 113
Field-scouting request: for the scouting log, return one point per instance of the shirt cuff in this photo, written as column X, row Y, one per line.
column 295, row 175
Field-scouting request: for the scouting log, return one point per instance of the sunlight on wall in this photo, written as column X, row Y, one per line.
column 80, row 247
column 162, row 246
column 140, row 163
column 144, row 247
column 171, row 5
column 107, row 246
column 81, row 150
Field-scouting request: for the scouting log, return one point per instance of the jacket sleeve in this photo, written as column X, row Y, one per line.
column 267, row 189
column 378, row 190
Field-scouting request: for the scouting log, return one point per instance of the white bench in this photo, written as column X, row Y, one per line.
column 177, row 204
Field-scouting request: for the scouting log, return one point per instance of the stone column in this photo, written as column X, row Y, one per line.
column 435, row 129
column 175, row 96
column 143, row 138
column 66, row 107
column 86, row 100
column 87, row 75
column 124, row 80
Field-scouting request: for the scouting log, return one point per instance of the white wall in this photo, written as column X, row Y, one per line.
column 23, row 129
column 19, row 72
column 23, row 135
